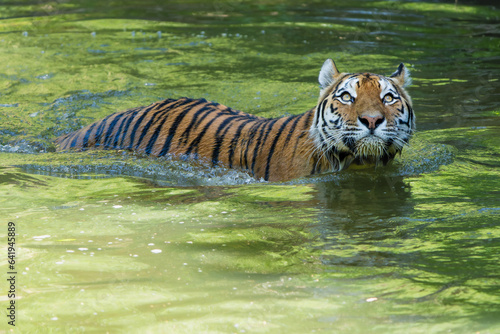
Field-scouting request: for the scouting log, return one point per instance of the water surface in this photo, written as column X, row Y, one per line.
column 115, row 242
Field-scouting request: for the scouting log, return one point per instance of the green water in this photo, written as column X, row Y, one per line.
column 112, row 242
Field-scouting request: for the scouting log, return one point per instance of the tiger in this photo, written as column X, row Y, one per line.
column 360, row 119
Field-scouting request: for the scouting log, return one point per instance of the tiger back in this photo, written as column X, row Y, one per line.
column 339, row 131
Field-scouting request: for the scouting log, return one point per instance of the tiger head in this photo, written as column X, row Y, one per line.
column 361, row 118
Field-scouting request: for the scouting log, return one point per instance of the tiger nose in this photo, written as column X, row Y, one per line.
column 371, row 122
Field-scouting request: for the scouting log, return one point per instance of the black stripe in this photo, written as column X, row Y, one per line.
column 219, row 139
column 230, row 110
column 268, row 131
column 321, row 110
column 252, row 130
column 292, row 129
column 162, row 119
column 235, row 139
column 98, row 133
column 408, row 120
column 261, row 141
column 324, row 124
column 122, row 131
column 86, row 138
column 207, row 109
column 137, row 124
column 314, row 164
column 194, row 144
column 352, row 76
column 303, row 133
column 394, row 92
column 139, row 120
column 154, row 136
column 410, row 113
column 275, row 141
column 68, row 139
column 171, row 130
column 214, row 106
column 154, row 118
column 396, row 88
column 111, row 128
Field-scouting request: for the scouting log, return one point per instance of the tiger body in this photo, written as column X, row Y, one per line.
column 203, row 130
column 352, row 123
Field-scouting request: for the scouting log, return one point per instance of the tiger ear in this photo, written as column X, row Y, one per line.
column 328, row 74
column 402, row 76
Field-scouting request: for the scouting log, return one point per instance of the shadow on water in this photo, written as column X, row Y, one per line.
column 10, row 176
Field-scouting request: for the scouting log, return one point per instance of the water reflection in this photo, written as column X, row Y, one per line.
column 362, row 196
column 360, row 216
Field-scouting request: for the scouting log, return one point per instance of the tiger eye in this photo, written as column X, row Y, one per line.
column 388, row 98
column 346, row 97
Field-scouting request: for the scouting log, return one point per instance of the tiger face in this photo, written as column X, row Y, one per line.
column 363, row 118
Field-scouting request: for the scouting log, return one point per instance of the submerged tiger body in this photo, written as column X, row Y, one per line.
column 360, row 118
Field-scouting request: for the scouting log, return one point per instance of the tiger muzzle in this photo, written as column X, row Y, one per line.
column 371, row 122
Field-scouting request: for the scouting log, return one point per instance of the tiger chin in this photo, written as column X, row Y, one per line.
column 360, row 119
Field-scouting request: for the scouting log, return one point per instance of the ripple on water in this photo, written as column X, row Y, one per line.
column 21, row 147
column 421, row 157
column 164, row 171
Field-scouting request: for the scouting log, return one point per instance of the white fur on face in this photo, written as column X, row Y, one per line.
column 388, row 87
column 348, row 86
column 350, row 138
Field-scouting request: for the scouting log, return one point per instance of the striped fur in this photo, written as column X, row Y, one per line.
column 274, row 149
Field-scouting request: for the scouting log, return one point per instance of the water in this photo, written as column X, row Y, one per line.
column 115, row 242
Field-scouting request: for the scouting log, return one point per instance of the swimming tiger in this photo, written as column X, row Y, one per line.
column 360, row 118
